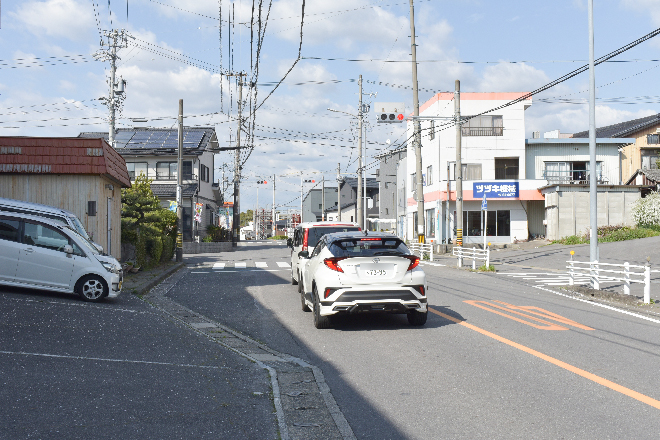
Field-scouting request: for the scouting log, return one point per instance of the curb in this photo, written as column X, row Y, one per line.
column 144, row 287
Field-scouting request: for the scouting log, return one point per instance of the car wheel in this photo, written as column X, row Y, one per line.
column 92, row 288
column 304, row 306
column 301, row 287
column 319, row 321
column 293, row 281
column 416, row 317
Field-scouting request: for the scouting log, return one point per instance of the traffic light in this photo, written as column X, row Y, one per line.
column 390, row 112
column 261, row 181
column 309, row 181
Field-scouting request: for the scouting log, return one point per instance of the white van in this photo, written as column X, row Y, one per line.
column 38, row 253
column 50, row 212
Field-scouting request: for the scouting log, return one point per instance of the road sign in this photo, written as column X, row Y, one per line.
column 484, row 203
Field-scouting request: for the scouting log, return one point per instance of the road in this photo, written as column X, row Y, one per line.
column 499, row 358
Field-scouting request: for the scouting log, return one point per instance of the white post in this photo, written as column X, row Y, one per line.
column 571, row 275
column 626, row 278
column 595, row 278
column 487, row 257
column 431, row 251
column 459, row 262
column 474, row 258
column 647, row 283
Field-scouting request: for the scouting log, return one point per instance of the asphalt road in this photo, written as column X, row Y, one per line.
column 498, row 358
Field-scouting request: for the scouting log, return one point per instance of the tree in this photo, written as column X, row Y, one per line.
column 246, row 217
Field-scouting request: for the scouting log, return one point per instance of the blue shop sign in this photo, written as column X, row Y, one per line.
column 496, row 190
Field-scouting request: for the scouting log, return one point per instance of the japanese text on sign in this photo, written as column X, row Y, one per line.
column 496, row 190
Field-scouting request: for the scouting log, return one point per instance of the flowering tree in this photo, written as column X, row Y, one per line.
column 646, row 211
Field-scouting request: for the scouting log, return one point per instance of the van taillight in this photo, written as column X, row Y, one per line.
column 305, row 237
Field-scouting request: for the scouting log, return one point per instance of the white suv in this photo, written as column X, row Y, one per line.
column 357, row 272
column 305, row 237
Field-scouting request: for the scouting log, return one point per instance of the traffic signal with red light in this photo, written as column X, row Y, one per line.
column 261, row 181
column 309, row 181
column 390, row 112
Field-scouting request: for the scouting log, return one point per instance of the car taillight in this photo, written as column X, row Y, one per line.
column 332, row 263
column 414, row 261
column 305, row 238
column 420, row 289
column 328, row 292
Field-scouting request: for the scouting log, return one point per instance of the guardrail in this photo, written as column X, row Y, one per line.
column 474, row 253
column 594, row 270
column 421, row 249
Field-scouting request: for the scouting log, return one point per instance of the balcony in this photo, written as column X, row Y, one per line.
column 572, row 177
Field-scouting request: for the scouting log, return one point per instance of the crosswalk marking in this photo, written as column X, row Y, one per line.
column 283, row 264
column 262, row 264
column 240, row 265
column 218, row 265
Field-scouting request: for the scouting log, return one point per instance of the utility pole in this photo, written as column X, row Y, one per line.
column 417, row 144
column 323, row 198
column 179, row 195
column 274, row 228
column 339, row 192
column 593, row 177
column 360, row 170
column 459, row 165
column 301, row 197
column 115, row 40
column 237, row 162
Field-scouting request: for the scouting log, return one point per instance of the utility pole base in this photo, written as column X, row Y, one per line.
column 179, row 255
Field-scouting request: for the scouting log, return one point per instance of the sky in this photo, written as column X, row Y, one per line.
column 50, row 82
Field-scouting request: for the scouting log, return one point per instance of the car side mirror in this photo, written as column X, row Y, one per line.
column 68, row 249
column 289, row 243
column 303, row 254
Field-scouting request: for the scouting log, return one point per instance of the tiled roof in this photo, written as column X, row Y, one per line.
column 622, row 129
column 651, row 175
column 158, row 141
column 169, row 190
column 352, row 182
column 54, row 155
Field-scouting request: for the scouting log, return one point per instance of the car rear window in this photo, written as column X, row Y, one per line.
column 367, row 247
column 315, row 234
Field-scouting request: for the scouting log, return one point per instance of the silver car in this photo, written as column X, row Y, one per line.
column 44, row 254
column 356, row 272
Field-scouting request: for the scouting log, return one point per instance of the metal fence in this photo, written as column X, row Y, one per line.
column 422, row 249
column 629, row 274
column 474, row 253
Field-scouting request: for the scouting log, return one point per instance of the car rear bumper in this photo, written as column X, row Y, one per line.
column 401, row 300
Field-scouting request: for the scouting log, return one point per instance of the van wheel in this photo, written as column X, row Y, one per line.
column 319, row 321
column 92, row 288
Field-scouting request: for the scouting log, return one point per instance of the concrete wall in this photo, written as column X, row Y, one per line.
column 567, row 212
column 72, row 192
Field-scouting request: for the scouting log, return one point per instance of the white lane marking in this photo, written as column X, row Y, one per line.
column 599, row 305
column 283, row 264
column 219, row 265
column 83, row 358
column 433, row 264
column 228, row 271
column 240, row 265
column 199, row 272
column 261, row 264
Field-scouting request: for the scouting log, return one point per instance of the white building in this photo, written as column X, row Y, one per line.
column 493, row 161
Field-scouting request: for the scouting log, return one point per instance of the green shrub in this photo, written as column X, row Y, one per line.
column 154, row 249
column 571, row 240
column 141, row 250
column 646, row 211
column 168, row 249
column 484, row 268
column 278, row 237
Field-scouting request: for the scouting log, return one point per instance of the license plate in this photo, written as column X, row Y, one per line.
column 375, row 272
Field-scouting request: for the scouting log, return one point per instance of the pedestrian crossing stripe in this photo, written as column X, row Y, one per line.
column 259, row 265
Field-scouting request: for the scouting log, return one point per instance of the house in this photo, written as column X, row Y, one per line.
column 493, row 163
column 561, row 166
column 348, row 195
column 84, row 176
column 154, row 153
column 386, row 176
column 643, row 153
column 647, row 179
column 312, row 204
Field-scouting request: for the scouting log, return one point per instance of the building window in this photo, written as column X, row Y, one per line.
column 188, row 170
column 430, row 222
column 506, row 168
column 491, row 125
column 387, row 185
column 387, row 211
column 203, row 172
column 320, row 205
column 566, row 172
column 650, row 159
column 432, row 130
column 167, row 170
column 498, row 224
column 429, row 174
column 136, row 168
column 653, row 138
column 471, row 171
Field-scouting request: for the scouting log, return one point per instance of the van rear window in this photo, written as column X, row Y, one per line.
column 315, row 234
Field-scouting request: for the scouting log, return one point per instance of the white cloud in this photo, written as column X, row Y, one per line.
column 69, row 19
column 650, row 8
column 509, row 77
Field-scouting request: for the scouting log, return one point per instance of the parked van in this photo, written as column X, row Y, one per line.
column 60, row 215
column 39, row 253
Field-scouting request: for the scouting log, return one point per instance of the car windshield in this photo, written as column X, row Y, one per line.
column 79, row 227
column 368, row 247
column 82, row 241
column 315, row 234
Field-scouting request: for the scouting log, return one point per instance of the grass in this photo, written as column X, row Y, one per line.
column 613, row 233
column 484, row 268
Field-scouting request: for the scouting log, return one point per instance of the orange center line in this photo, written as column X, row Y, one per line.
column 599, row 380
